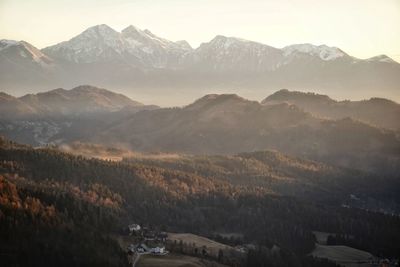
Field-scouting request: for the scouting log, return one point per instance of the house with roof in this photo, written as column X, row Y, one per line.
column 142, row 248
column 134, row 227
column 150, row 235
column 162, row 236
column 158, row 250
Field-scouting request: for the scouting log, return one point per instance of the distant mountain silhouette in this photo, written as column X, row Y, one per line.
column 79, row 100
column 376, row 111
column 140, row 61
column 213, row 124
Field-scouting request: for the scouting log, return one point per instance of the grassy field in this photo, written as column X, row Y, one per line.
column 212, row 246
column 347, row 256
column 173, row 260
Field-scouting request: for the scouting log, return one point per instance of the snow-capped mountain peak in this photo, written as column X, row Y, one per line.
column 232, row 53
column 4, row 43
column 134, row 47
column 221, row 41
column 145, row 37
column 132, row 31
column 99, row 42
column 100, row 31
column 184, row 44
column 23, row 50
column 324, row 52
column 102, row 43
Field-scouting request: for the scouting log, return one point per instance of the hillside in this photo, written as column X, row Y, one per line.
column 49, row 222
column 175, row 261
column 281, row 174
column 375, row 111
column 344, row 255
column 80, row 100
column 275, row 172
column 213, row 124
column 224, row 124
column 212, row 246
column 179, row 201
column 60, row 115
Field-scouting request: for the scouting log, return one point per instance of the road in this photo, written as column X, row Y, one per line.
column 135, row 257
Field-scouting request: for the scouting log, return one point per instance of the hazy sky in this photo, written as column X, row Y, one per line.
column 363, row 28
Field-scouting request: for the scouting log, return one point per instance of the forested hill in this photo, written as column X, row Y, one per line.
column 345, row 134
column 286, row 175
column 60, row 209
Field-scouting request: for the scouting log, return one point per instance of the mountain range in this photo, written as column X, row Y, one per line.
column 357, row 134
column 247, row 173
column 139, row 63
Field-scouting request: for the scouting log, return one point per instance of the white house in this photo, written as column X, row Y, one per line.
column 134, row 227
column 131, row 248
column 157, row 250
column 142, row 248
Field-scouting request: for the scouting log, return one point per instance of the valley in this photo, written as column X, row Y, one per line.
column 88, row 161
column 271, row 210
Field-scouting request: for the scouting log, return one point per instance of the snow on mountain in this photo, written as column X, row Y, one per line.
column 143, row 49
column 231, row 53
column 147, row 38
column 7, row 43
column 324, row 52
column 24, row 67
column 225, row 45
column 153, row 50
column 17, row 51
column 97, row 43
column 132, row 45
column 184, row 45
column 135, row 58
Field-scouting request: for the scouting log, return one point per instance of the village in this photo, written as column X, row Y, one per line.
column 156, row 246
column 145, row 241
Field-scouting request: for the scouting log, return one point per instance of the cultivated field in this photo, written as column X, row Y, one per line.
column 212, row 246
column 174, row 260
column 347, row 256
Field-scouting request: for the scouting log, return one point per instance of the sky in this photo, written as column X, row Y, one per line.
column 362, row 28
